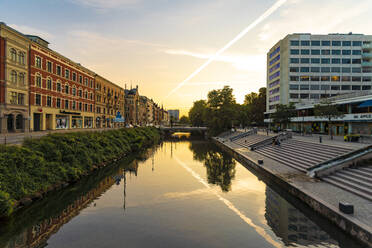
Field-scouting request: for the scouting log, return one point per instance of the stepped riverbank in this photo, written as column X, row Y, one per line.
column 322, row 197
column 42, row 165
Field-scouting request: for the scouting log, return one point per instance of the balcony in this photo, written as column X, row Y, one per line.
column 367, row 55
column 366, row 64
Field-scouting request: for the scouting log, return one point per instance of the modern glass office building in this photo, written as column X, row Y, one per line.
column 304, row 68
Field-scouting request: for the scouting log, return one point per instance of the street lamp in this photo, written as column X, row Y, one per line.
column 303, row 122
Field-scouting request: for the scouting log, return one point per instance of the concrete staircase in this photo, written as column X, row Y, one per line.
column 250, row 140
column 357, row 180
column 301, row 154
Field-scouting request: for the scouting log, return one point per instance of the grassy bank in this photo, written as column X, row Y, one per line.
column 41, row 165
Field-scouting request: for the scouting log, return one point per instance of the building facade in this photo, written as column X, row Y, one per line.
column 174, row 114
column 14, row 81
column 109, row 103
column 61, row 91
column 306, row 68
column 132, row 106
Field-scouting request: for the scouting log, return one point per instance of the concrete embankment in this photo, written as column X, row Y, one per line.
column 322, row 197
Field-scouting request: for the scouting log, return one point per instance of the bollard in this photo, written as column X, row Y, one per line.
column 320, row 139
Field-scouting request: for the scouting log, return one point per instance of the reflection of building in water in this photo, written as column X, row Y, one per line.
column 38, row 234
column 290, row 224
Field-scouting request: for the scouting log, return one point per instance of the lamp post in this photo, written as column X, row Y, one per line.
column 303, row 122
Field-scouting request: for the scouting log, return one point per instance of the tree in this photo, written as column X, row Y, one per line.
column 283, row 114
column 255, row 107
column 197, row 113
column 326, row 109
column 184, row 120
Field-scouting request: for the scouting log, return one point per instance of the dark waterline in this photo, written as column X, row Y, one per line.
column 178, row 194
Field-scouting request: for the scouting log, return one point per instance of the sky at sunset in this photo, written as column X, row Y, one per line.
column 157, row 44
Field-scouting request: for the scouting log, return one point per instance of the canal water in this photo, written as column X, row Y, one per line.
column 177, row 194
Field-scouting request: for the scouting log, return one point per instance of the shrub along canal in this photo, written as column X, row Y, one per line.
column 176, row 194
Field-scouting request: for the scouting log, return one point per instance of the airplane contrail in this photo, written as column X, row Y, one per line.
column 260, row 230
column 267, row 13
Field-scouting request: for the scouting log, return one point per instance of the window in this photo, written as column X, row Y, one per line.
column 59, row 87
column 74, row 76
column 49, row 66
column 305, row 51
column 345, row 87
column 315, row 69
column 315, row 52
column 335, row 79
column 336, row 43
column 295, row 43
column 305, row 69
column 80, row 106
column 356, row 61
column 13, row 98
column 66, row 104
column 305, row 43
column 345, row 79
column 304, row 96
column 294, row 69
column 38, row 80
column 346, row 52
column 58, row 103
column 346, row 61
column 336, row 52
column 356, row 79
column 91, row 84
column 367, row 79
column 21, row 58
column 357, row 52
column 305, row 61
column 325, row 78
column 355, row 87
column 315, row 42
column 314, row 78
column 324, row 87
column 336, row 61
column 49, row 101
column 294, row 60
column 91, row 108
column 346, row 70
column 38, row 62
column 58, row 70
column 86, row 81
column 67, row 89
column 356, row 70
column 85, row 107
column 295, row 51
column 91, row 96
column 13, row 54
column 335, row 87
column 38, row 99
column 304, row 78
column 326, row 69
column 80, row 79
column 335, row 69
column 314, row 96
column 22, row 78
column 314, row 87
column 357, row 43
column 67, row 74
column 73, row 105
column 74, row 91
column 366, row 87
column 21, row 99
column 49, row 83
column 315, row 61
column 293, row 78
column 326, row 52
column 346, row 43
column 326, row 61
column 326, row 43
column 80, row 93
column 86, row 94
column 13, row 77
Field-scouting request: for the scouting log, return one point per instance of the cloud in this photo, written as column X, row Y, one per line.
column 239, row 62
column 33, row 31
column 106, row 4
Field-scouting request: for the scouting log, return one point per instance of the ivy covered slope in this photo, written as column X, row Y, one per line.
column 40, row 165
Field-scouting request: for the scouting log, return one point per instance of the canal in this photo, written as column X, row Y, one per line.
column 177, row 194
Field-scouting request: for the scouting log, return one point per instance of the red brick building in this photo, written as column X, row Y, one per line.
column 61, row 91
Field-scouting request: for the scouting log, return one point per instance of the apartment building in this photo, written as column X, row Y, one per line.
column 14, row 80
column 132, row 106
column 61, row 91
column 306, row 68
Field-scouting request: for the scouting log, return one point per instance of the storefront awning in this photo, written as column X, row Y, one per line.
column 367, row 103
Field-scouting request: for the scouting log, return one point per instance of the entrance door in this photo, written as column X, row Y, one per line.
column 10, row 123
column 37, row 122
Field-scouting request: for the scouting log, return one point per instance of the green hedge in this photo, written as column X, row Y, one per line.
column 41, row 163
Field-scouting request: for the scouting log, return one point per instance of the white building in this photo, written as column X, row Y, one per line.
column 303, row 68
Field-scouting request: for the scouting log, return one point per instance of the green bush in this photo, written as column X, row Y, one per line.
column 55, row 158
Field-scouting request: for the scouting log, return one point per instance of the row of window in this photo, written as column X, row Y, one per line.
column 64, row 103
column 274, row 67
column 274, row 98
column 328, row 87
column 277, row 58
column 104, row 111
column 275, row 83
column 272, row 54
column 324, row 61
column 327, row 69
column 274, row 91
column 324, row 52
column 16, row 77
column 276, row 74
column 325, row 43
column 329, row 78
column 58, row 71
column 20, row 55
column 17, row 98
